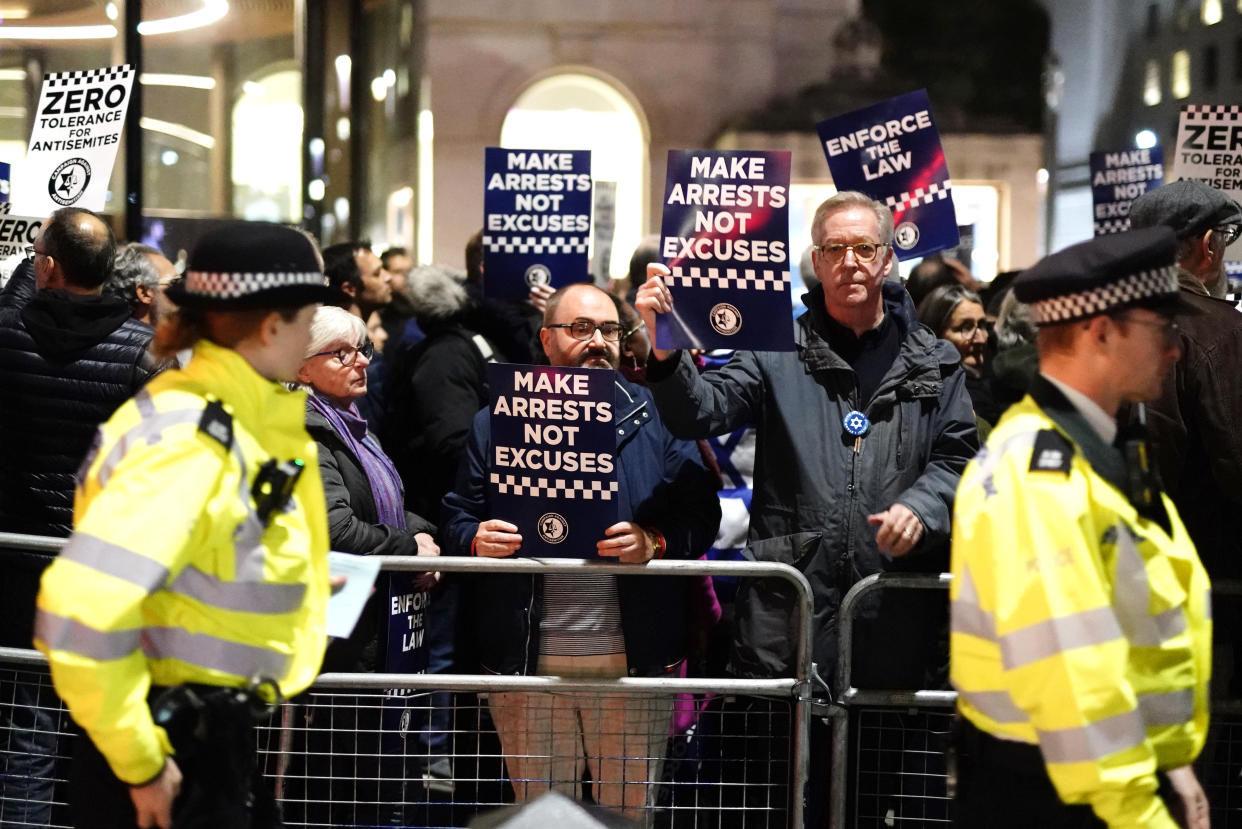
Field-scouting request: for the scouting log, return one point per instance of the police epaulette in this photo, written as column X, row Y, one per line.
column 1053, row 452
column 217, row 423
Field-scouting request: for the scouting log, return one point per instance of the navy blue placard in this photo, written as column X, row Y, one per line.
column 1117, row 179
column 536, row 220
column 891, row 151
column 725, row 237
column 6, row 177
column 406, row 612
column 552, row 469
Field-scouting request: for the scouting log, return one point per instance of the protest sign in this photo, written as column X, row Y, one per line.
column 6, row 178
column 605, row 227
column 891, row 151
column 551, row 470
column 725, row 238
column 407, row 610
column 536, row 220
column 1209, row 147
column 17, row 233
column 1117, row 179
column 77, row 131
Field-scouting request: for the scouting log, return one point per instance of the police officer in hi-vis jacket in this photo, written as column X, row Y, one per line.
column 194, row 588
column 1081, row 633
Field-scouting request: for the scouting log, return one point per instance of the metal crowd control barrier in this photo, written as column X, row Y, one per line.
column 913, row 750
column 336, row 728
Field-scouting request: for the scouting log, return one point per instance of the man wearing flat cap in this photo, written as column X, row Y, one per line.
column 1194, row 422
column 1080, row 640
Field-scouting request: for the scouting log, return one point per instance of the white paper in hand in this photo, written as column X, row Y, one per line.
column 346, row 604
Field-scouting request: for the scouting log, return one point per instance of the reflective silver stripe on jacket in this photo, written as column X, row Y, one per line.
column 997, row 706
column 114, row 560
column 1167, row 708
column 965, row 614
column 149, row 429
column 214, row 653
column 244, row 596
column 71, row 636
column 990, row 457
column 1132, row 596
column 1057, row 635
column 1088, row 743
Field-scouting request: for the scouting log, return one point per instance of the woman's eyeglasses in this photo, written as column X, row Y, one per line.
column 349, row 356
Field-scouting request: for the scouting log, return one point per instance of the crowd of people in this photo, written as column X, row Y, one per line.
column 203, row 439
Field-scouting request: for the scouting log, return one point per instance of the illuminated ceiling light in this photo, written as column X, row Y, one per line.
column 315, row 145
column 1145, row 139
column 342, row 129
column 12, row 74
column 315, row 188
column 16, row 13
column 390, row 78
column 254, row 88
column 402, row 197
column 168, row 79
column 169, row 157
column 1041, row 176
column 379, row 89
column 110, row 10
column 212, row 11
column 178, row 131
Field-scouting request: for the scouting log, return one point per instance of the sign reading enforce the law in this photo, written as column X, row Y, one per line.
column 77, row 131
column 552, row 469
column 536, row 220
column 891, row 151
column 1209, row 147
column 1117, row 179
column 725, row 238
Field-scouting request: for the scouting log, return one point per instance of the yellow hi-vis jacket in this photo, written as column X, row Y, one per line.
column 1077, row 624
column 170, row 576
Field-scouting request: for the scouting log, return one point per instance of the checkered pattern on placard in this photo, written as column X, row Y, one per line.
column 1212, row 112
column 554, row 487
column 742, row 278
column 1119, row 292
column 921, row 195
column 535, row 244
column 1106, row 226
column 233, row 285
column 107, row 73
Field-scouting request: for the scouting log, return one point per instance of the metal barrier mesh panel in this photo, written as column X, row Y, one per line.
column 899, row 767
column 1220, row 770
column 36, row 743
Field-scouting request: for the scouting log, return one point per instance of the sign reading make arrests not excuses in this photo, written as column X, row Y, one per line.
column 537, row 220
column 725, row 239
column 552, row 470
column 1117, row 179
column 77, row 130
column 891, row 151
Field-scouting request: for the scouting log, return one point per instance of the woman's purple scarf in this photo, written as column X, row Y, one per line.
column 386, row 486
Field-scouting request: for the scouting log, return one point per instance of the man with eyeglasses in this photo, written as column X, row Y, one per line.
column 1081, row 627
column 140, row 273
column 862, row 434
column 590, row 625
column 1195, row 419
column 69, row 357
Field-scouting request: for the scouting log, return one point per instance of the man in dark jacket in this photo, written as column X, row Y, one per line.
column 590, row 625
column 68, row 358
column 864, row 431
column 1195, row 420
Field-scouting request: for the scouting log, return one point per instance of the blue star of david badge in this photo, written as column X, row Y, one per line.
column 856, row 423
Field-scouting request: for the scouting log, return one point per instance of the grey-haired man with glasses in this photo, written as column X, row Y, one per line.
column 1195, row 421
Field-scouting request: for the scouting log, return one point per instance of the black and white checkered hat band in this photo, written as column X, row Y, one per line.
column 1124, row 291
column 219, row 285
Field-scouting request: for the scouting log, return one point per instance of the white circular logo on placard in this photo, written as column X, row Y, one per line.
column 725, row 319
column 538, row 275
column 404, row 724
column 553, row 528
column 907, row 235
column 69, row 180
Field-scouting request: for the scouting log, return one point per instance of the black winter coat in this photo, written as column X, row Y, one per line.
column 353, row 527
column 66, row 364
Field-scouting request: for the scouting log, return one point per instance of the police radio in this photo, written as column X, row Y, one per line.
column 273, row 486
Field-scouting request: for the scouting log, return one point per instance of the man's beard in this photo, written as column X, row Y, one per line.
column 598, row 354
